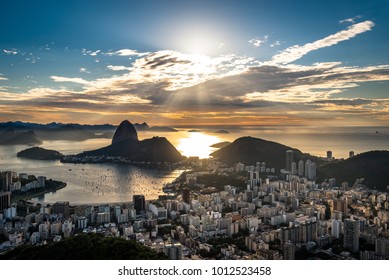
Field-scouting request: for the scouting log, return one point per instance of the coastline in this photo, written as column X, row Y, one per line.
column 56, row 185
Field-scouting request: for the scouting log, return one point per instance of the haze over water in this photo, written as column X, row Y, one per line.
column 108, row 183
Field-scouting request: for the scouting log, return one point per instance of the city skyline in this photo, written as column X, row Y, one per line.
column 195, row 62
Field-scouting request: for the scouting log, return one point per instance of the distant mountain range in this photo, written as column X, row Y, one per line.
column 17, row 125
column 10, row 137
column 25, row 133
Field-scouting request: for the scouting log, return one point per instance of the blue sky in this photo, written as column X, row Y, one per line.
column 195, row 62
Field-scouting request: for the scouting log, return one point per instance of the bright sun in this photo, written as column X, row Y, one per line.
column 197, row 144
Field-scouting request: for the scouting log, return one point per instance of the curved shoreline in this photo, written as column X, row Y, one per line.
column 16, row 197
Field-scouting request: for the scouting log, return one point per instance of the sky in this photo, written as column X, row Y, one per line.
column 183, row 63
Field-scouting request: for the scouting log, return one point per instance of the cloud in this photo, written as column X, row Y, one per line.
column 90, row 52
column 59, row 79
column 118, row 68
column 11, row 51
column 256, row 42
column 275, row 44
column 296, row 52
column 127, row 52
column 95, row 53
column 349, row 20
column 170, row 85
column 3, row 78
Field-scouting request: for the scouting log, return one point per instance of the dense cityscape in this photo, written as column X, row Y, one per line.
column 267, row 215
column 194, row 130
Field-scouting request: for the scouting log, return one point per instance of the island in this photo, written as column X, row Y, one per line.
column 222, row 131
column 40, row 154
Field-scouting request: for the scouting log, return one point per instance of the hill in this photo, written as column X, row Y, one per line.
column 250, row 150
column 85, row 247
column 39, row 153
column 373, row 166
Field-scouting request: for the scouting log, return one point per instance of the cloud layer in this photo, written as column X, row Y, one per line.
column 170, row 87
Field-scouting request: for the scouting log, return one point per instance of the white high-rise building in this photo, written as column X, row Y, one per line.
column 307, row 166
column 336, row 228
column 312, row 169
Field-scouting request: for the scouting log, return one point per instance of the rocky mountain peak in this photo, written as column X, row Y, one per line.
column 125, row 131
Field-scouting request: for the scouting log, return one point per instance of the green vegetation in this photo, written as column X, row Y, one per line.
column 85, row 247
column 219, row 181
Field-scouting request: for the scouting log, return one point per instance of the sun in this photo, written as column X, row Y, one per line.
column 197, row 144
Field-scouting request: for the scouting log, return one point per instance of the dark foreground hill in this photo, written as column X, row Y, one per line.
column 85, row 247
column 250, row 150
column 373, row 166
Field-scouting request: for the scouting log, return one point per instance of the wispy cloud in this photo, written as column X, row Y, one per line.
column 257, row 42
column 296, row 52
column 127, row 52
column 275, row 43
column 11, row 51
column 349, row 20
column 118, row 68
column 90, row 52
column 70, row 80
column 3, row 78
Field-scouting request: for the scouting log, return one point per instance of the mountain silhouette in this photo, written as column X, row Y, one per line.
column 125, row 131
column 250, row 150
column 125, row 144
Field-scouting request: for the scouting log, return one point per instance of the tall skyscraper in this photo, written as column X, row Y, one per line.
column 351, row 235
column 294, row 168
column 6, row 180
column 289, row 159
column 139, row 203
column 301, row 168
column 307, row 166
column 329, row 155
column 5, row 200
